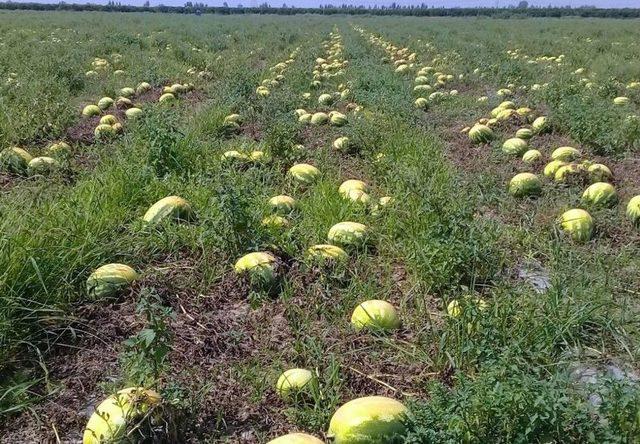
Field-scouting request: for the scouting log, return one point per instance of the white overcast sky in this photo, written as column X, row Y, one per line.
column 436, row 3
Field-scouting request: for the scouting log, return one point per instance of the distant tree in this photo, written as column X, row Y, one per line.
column 519, row 8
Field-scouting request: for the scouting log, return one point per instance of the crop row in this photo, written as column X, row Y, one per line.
column 591, row 93
column 563, row 168
column 40, row 94
column 23, row 301
column 264, row 270
column 19, row 162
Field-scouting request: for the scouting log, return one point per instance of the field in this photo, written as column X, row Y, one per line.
column 505, row 319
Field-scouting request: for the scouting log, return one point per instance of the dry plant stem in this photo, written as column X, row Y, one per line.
column 382, row 383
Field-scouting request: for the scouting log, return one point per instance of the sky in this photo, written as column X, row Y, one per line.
column 435, row 3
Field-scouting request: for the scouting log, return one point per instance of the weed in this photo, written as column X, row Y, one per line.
column 144, row 359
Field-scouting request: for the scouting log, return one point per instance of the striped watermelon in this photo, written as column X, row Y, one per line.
column 109, row 280
column 171, row 207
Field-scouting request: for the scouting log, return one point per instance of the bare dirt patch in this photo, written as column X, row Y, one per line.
column 315, row 137
column 82, row 132
column 217, row 336
column 7, row 181
column 252, row 130
column 626, row 174
column 149, row 96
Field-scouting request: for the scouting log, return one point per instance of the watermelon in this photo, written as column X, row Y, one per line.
column 373, row 419
column 357, row 196
column 109, row 280
column 525, row 184
column 515, row 146
column 58, row 149
column 532, row 156
column 42, row 165
column 133, row 113
column 481, row 134
column 326, row 252
column 325, row 99
column 599, row 173
column 540, row 125
column 319, row 118
column 352, row 234
column 143, row 87
column 108, row 119
column 260, row 266
column 104, row 131
column 304, row 173
column 621, row 101
column 375, row 315
column 282, row 204
column 341, row 144
column 275, row 222
column 421, row 103
column 91, row 110
column 172, row 208
column 296, row 438
column 565, row 153
column 578, row 224
column 294, row 381
column 119, row 413
column 600, row 194
column 336, row 118
column 15, row 160
column 552, row 167
column 167, row 98
column 105, row 102
column 633, row 210
column 524, row 133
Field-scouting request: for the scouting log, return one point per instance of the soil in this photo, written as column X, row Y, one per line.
column 626, row 173
column 252, row 130
column 216, row 334
column 315, row 137
column 7, row 181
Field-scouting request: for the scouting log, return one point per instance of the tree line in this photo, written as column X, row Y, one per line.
column 418, row 10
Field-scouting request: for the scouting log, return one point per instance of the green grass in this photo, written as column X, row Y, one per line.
column 503, row 374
